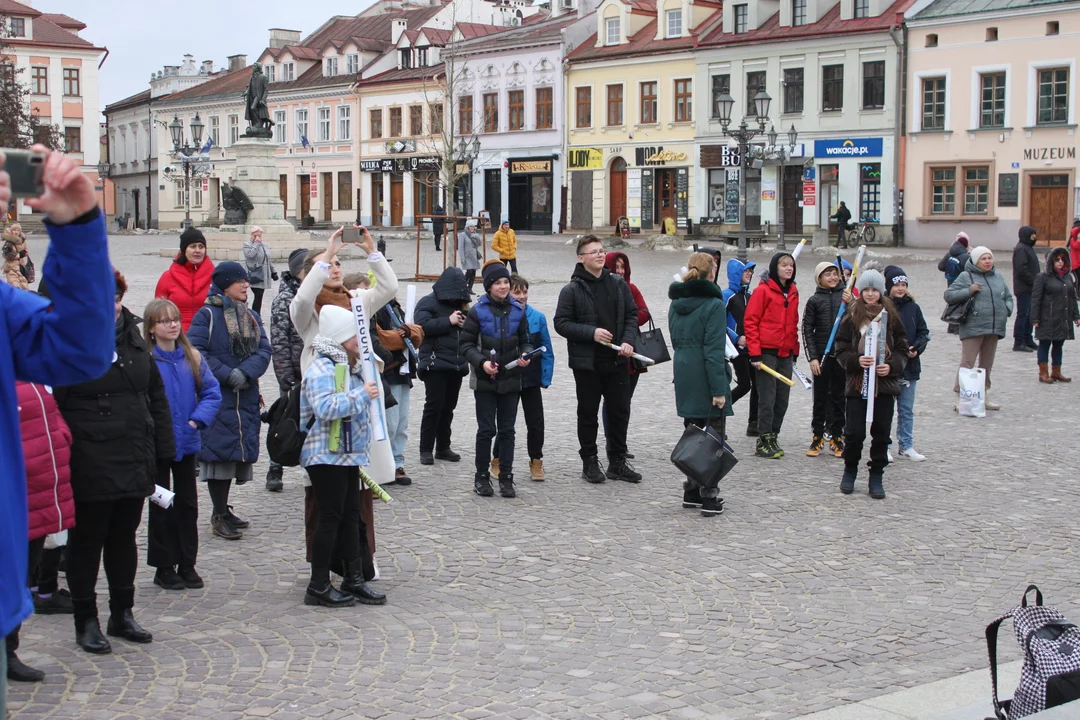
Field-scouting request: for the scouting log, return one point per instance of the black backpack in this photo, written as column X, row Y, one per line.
column 284, row 438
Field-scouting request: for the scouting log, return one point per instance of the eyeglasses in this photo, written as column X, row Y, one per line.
column 169, row 321
column 596, row 253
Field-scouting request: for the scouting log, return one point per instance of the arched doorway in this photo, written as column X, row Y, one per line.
column 617, row 190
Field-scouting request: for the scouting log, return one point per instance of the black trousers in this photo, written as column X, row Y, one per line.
column 829, row 399
column 173, row 534
column 48, row 575
column 512, row 264
column 441, row 390
column 745, row 376
column 104, row 532
column 470, row 278
column 610, row 384
column 338, row 528
column 1022, row 326
column 438, row 240
column 256, row 299
column 35, row 551
column 880, row 433
column 496, row 414
column 772, row 394
column 532, row 406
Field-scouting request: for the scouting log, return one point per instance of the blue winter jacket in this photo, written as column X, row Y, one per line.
column 63, row 341
column 918, row 334
column 184, row 402
column 540, row 370
column 741, row 294
column 233, row 436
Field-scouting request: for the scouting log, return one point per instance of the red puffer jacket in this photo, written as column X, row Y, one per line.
column 46, row 443
column 772, row 320
column 186, row 285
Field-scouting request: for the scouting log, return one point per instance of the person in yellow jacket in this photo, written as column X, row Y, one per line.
column 505, row 243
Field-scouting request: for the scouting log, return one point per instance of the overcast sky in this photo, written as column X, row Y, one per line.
column 143, row 36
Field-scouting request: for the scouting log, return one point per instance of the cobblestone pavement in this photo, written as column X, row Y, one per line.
column 610, row 601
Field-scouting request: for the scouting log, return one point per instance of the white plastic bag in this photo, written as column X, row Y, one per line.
column 56, row 540
column 972, row 392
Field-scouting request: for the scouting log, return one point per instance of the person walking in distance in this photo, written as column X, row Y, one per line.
column 471, row 251
column 259, row 266
column 596, row 310
column 505, row 243
column 438, row 225
column 952, row 264
column 843, row 219
column 1054, row 313
column 286, row 345
column 1025, row 267
column 736, row 296
column 818, row 317
column 187, row 281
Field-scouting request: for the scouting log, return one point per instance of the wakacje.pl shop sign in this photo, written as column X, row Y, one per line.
column 851, row 147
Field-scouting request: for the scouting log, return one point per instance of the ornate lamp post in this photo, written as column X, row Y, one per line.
column 743, row 135
column 466, row 152
column 782, row 155
column 104, row 169
column 193, row 162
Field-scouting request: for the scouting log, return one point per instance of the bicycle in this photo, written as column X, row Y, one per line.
column 863, row 234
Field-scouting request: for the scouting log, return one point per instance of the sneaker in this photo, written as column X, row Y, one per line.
column 235, row 521
column 482, row 485
column 777, row 450
column 622, row 470
column 506, row 486
column 222, row 528
column 912, row 454
column 401, row 477
column 592, row 471
column 191, row 579
column 59, row 603
column 837, row 446
column 273, row 479
column 711, row 507
column 888, row 455
column 816, row 446
column 767, row 447
column 166, row 578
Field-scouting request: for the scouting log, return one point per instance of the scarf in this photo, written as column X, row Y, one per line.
column 241, row 325
column 328, row 348
column 340, row 429
column 333, row 296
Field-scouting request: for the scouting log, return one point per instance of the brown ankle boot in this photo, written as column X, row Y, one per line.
column 1056, row 375
column 1044, row 376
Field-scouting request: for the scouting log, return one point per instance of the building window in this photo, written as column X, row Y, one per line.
column 755, row 81
column 684, row 100
column 491, row 112
column 39, row 80
column 992, row 103
column 331, row 67
column 18, row 27
column 344, row 122
column 406, row 58
column 465, row 115
column 798, row 13
column 73, row 139
column 288, row 72
column 862, row 8
column 352, row 64
column 71, row 82
column 674, row 23
column 943, row 196
column 437, row 119
column 870, row 192
column 196, row 196
column 614, row 105
column 416, row 120
column 717, row 180
column 931, row 40
column 344, row 190
column 545, row 109
column 234, row 129
column 279, row 127
column 1053, row 96
column 178, row 198
column 517, row 109
column 793, row 90
column 421, row 57
column 323, row 114
column 991, row 34
column 1053, row 27
column 301, row 127
column 933, row 104
column 721, row 85
column 584, row 107
column 648, row 103
column 741, row 19
column 873, row 85
column 270, row 70
column 375, row 121
column 976, row 190
column 832, row 88
column 7, row 76
column 395, row 122
column 611, row 31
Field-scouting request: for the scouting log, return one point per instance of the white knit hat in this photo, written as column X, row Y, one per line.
column 979, row 251
column 336, row 323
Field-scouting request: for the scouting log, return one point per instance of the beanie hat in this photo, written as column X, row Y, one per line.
column 871, row 279
column 337, row 323
column 189, row 237
column 492, row 272
column 979, row 251
column 296, row 261
column 893, row 275
column 821, row 268
column 962, row 238
column 228, row 273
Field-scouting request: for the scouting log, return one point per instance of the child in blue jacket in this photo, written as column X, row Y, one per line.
column 918, row 336
column 194, row 398
column 535, row 378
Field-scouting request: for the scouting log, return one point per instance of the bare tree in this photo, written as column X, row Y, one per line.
column 19, row 127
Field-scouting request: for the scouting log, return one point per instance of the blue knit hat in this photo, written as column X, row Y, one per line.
column 228, row 273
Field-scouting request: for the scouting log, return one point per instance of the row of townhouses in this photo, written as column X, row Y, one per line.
column 924, row 116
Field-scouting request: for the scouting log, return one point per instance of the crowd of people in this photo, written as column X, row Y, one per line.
column 171, row 396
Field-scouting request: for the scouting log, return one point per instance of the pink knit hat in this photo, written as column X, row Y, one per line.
column 962, row 238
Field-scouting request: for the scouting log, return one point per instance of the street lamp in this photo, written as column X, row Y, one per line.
column 104, row 169
column 782, row 155
column 191, row 160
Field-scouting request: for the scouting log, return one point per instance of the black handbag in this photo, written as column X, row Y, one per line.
column 652, row 345
column 957, row 313
column 702, row 455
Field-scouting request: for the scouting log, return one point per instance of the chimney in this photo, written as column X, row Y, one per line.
column 280, row 37
column 207, row 67
column 237, row 62
column 397, row 29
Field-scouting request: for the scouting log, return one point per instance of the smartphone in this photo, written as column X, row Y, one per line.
column 351, row 235
column 27, row 171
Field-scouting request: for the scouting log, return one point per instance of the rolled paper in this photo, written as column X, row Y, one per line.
column 410, row 303
column 528, row 356
column 395, row 323
column 340, row 373
column 639, row 358
column 786, row 380
column 802, row 378
column 873, row 336
column 368, row 370
column 798, row 249
column 843, row 306
column 375, row 488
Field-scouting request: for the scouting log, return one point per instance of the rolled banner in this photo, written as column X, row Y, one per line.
column 162, row 497
column 528, row 356
column 367, row 366
column 806, row 383
column 639, row 358
column 375, row 488
column 786, row 380
column 410, row 303
column 843, row 306
column 798, row 249
column 873, row 337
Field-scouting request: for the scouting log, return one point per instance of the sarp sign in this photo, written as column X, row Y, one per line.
column 851, row 147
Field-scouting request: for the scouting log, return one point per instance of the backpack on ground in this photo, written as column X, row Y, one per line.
column 284, row 437
column 1050, row 675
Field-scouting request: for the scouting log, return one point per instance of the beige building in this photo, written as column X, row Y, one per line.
column 991, row 121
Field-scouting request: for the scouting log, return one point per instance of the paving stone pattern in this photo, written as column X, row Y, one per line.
column 611, row 601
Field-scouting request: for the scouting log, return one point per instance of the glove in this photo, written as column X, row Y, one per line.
column 237, row 380
column 273, row 275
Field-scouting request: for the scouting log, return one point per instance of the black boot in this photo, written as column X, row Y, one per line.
column 691, row 498
column 328, row 596
column 711, row 507
column 592, row 471
column 482, row 485
column 877, row 486
column 847, row 484
column 122, row 625
column 273, row 479
column 19, row 671
column 506, row 486
column 447, row 454
column 354, row 584
column 621, row 470
column 426, row 458
column 752, row 429
column 166, row 578
column 89, row 638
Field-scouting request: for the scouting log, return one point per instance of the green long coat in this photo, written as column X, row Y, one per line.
column 697, row 323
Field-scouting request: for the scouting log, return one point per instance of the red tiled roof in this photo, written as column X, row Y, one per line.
column 65, row 21
column 229, row 83
column 642, row 42
column 136, row 99
column 313, row 78
column 10, row 7
column 377, row 27
column 45, row 32
column 436, row 36
column 404, row 75
column 474, row 30
column 830, row 24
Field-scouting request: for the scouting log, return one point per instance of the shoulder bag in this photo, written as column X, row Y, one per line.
column 702, row 455
column 957, row 313
column 652, row 345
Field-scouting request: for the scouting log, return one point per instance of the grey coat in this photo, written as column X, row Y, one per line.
column 469, row 248
column 993, row 306
column 1053, row 301
column 260, row 268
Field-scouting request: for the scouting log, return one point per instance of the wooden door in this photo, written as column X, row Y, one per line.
column 397, row 200
column 283, row 190
column 665, row 196
column 792, row 194
column 305, row 198
column 327, row 181
column 1050, row 207
column 376, row 200
column 617, row 191
column 581, row 217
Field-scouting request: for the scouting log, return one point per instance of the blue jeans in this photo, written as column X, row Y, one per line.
column 1050, row 349
column 905, row 413
column 397, row 423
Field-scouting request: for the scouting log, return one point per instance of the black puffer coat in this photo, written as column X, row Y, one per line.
column 500, row 326
column 1053, row 301
column 849, row 348
column 120, row 423
column 441, row 350
column 575, row 316
column 1025, row 262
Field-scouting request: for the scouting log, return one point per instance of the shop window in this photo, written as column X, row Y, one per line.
column 344, row 191
column 717, row 179
column 870, row 192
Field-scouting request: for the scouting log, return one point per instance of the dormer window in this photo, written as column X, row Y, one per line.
column 18, row 27
column 406, row 58
column 674, row 23
column 422, row 57
column 798, row 13
column 288, row 72
column 270, row 73
column 742, row 16
column 862, row 8
column 331, row 67
column 352, row 64
column 611, row 31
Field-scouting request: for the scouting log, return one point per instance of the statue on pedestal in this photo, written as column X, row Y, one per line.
column 255, row 112
column 236, row 203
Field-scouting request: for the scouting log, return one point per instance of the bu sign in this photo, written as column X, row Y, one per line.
column 851, row 147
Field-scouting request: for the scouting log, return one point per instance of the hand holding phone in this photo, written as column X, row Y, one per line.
column 26, row 170
column 67, row 193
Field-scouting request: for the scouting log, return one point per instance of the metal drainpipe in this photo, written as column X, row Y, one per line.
column 899, row 149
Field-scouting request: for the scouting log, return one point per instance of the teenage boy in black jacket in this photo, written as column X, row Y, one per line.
column 829, row 378
column 596, row 307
